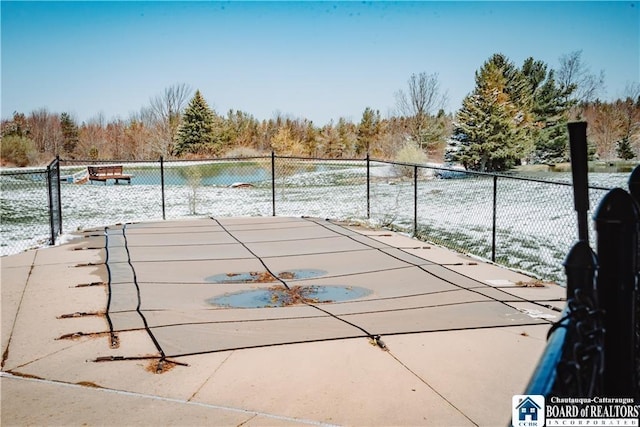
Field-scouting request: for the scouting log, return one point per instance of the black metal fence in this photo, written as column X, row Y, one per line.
column 594, row 350
column 55, row 202
column 524, row 223
column 30, row 210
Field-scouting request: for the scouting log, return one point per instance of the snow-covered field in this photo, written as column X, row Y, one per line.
column 535, row 221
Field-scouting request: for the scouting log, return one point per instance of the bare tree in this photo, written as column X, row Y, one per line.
column 168, row 106
column 420, row 104
column 45, row 130
column 575, row 77
column 164, row 113
column 632, row 91
column 631, row 115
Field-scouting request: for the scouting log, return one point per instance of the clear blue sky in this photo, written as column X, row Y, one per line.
column 317, row 60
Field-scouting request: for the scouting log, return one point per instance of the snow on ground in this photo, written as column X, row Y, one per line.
column 535, row 221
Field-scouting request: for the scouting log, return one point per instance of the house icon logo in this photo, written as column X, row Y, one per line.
column 527, row 411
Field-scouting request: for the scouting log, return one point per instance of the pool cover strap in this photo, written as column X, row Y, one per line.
column 160, row 281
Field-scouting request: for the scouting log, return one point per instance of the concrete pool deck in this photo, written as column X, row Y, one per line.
column 116, row 328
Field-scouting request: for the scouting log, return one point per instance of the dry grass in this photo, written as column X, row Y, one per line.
column 535, row 283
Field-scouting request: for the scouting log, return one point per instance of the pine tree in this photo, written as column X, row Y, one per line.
column 624, row 150
column 492, row 129
column 549, row 110
column 368, row 130
column 16, row 127
column 197, row 131
column 70, row 135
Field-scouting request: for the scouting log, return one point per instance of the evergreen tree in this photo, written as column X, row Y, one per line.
column 624, row 150
column 16, row 127
column 70, row 136
column 549, row 111
column 368, row 130
column 310, row 139
column 492, row 131
column 197, row 131
column 436, row 132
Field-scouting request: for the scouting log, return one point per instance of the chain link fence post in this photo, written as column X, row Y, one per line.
column 494, row 220
column 273, row 183
column 415, row 201
column 54, row 198
column 52, row 232
column 368, row 187
column 164, row 217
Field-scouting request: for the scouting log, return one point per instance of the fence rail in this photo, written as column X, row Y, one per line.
column 525, row 223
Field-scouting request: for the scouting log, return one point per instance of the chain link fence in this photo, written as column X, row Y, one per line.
column 30, row 214
column 523, row 223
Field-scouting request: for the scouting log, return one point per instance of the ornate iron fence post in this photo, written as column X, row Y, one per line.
column 572, row 364
column 579, row 174
column 634, row 184
column 579, row 372
column 617, row 220
column 580, row 266
column 581, row 262
column 634, row 189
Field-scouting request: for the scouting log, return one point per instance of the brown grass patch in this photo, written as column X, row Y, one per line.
column 536, row 283
column 264, row 277
column 284, row 297
column 287, row 275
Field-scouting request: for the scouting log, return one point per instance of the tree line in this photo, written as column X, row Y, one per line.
column 519, row 114
column 514, row 115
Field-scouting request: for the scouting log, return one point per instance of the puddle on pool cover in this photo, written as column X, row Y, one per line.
column 264, row 276
column 279, row 296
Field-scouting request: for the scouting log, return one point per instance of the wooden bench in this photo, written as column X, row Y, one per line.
column 104, row 173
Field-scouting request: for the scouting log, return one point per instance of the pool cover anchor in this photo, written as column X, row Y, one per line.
column 157, row 365
column 376, row 340
column 163, row 365
column 115, row 340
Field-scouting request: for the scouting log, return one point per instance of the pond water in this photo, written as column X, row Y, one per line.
column 280, row 296
column 221, row 174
